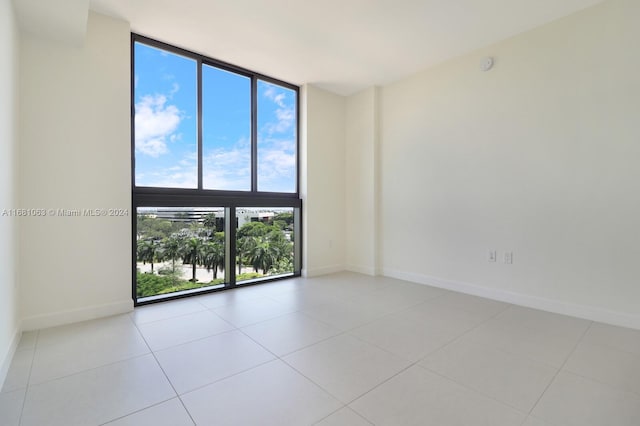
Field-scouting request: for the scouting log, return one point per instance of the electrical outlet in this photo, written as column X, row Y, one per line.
column 492, row 256
column 508, row 257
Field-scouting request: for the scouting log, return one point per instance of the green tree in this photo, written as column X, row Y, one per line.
column 253, row 229
column 171, row 250
column 270, row 250
column 151, row 227
column 213, row 257
column 147, row 251
column 280, row 224
column 262, row 255
column 192, row 253
column 283, row 266
column 285, row 217
column 244, row 247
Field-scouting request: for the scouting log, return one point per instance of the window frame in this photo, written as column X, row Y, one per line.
column 254, row 77
column 148, row 196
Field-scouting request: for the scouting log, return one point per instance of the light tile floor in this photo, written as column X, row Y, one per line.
column 344, row 349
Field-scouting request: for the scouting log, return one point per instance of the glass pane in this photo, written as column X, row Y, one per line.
column 179, row 249
column 277, row 138
column 226, row 130
column 165, row 119
column 264, row 241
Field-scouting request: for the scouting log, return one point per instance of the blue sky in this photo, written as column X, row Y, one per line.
column 166, row 126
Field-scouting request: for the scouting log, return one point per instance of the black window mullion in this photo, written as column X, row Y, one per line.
column 230, row 246
column 199, row 94
column 297, row 140
column 254, row 134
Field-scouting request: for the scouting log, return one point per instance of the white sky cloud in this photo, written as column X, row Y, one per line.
column 228, row 168
column 183, row 175
column 277, row 165
column 285, row 114
column 155, row 122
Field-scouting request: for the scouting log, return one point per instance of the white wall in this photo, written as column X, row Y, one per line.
column 75, row 154
column 361, row 144
column 9, row 325
column 323, row 180
column 538, row 156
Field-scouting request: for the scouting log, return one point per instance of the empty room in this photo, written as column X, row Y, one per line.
column 420, row 212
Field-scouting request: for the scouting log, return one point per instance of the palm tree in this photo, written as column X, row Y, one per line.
column 281, row 249
column 244, row 246
column 147, row 252
column 263, row 255
column 213, row 257
column 258, row 253
column 192, row 253
column 171, row 250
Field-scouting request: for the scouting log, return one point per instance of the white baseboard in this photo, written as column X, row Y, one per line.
column 323, row 270
column 367, row 270
column 8, row 357
column 591, row 313
column 76, row 315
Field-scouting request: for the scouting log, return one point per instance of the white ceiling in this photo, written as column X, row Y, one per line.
column 340, row 45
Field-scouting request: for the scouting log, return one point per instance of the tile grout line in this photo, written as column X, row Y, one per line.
column 276, row 357
column 344, row 404
column 165, row 375
column 466, row 332
column 340, row 409
column 348, row 333
column 295, row 350
column 135, row 412
column 558, row 369
column 75, row 373
column 167, row 318
column 226, row 377
column 555, row 376
column 507, row 352
column 599, row 381
column 233, row 328
column 342, row 333
column 445, row 344
column 26, row 390
column 91, row 369
column 476, row 391
column 178, row 395
column 281, row 359
column 415, row 363
column 605, row 384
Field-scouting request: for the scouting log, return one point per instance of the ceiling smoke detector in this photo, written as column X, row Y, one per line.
column 486, row 64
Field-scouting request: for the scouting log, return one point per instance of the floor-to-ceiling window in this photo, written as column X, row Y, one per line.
column 215, row 174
